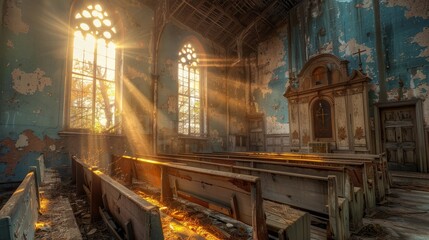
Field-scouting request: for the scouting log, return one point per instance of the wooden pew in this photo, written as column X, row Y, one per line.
column 198, row 185
column 383, row 178
column 288, row 188
column 19, row 215
column 363, row 171
column 120, row 208
column 343, row 175
column 363, row 175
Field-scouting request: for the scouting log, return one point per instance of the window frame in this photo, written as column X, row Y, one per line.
column 116, row 129
column 202, row 94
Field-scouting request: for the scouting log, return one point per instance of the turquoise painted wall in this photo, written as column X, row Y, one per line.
column 406, row 40
column 342, row 27
column 33, row 51
column 172, row 40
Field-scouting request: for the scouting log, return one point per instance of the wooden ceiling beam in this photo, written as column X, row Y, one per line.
column 176, row 9
column 202, row 13
column 245, row 31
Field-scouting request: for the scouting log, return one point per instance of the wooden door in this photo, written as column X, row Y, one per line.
column 399, row 137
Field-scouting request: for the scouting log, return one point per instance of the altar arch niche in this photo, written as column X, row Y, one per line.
column 327, row 105
column 322, row 119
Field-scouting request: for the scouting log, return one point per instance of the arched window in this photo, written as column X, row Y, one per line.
column 190, row 101
column 93, row 85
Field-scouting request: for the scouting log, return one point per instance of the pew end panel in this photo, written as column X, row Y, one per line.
column 287, row 222
column 19, row 214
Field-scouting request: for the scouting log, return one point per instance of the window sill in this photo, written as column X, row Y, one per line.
column 68, row 133
column 204, row 138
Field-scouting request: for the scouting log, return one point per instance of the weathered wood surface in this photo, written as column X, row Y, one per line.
column 296, row 197
column 88, row 184
column 362, row 173
column 19, row 215
column 299, row 190
column 383, row 180
column 378, row 176
column 383, row 177
column 288, row 222
column 135, row 216
column 199, row 185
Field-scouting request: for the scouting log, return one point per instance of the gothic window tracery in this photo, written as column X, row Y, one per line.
column 93, row 82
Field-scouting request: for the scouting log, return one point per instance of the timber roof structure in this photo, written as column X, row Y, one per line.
column 236, row 25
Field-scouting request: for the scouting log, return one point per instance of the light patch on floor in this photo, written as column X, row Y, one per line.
column 29, row 83
column 422, row 39
column 414, row 8
column 22, row 141
column 13, row 17
column 276, row 127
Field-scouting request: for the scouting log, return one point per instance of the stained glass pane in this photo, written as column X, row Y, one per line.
column 189, row 92
column 92, row 98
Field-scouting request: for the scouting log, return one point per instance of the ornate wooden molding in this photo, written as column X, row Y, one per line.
column 339, row 93
column 356, row 90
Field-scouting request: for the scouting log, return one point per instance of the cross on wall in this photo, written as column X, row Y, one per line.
column 360, row 59
column 321, row 114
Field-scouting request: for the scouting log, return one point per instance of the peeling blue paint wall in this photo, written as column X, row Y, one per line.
column 342, row 27
column 35, row 43
column 33, row 52
column 406, row 40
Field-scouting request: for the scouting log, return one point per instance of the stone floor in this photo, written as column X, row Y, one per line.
column 56, row 219
column 405, row 215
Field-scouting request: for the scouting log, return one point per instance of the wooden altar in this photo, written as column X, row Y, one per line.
column 329, row 105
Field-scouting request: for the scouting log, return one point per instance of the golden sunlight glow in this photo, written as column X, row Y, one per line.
column 185, row 224
column 86, row 14
column 93, row 88
column 135, row 124
column 44, row 203
column 189, row 103
column 41, row 225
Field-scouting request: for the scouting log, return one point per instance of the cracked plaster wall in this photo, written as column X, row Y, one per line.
column 341, row 27
column 33, row 46
column 406, row 35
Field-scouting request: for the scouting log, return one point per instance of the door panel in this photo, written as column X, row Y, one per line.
column 399, row 137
